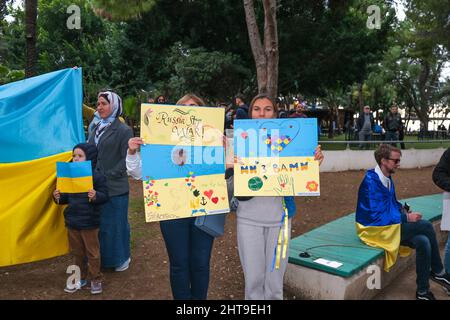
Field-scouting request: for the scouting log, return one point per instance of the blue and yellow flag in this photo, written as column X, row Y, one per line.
column 378, row 218
column 40, row 122
column 74, row 177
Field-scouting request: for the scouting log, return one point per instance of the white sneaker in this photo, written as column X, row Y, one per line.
column 80, row 284
column 447, row 291
column 124, row 266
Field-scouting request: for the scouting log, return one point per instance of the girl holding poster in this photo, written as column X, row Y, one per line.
column 261, row 228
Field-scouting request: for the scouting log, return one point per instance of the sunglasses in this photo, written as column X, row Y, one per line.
column 396, row 161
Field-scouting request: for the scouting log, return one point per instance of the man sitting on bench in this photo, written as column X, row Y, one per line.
column 382, row 221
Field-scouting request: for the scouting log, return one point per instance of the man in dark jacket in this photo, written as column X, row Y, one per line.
column 241, row 108
column 393, row 125
column 82, row 219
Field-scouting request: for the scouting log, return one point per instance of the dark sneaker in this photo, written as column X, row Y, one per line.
column 426, row 296
column 443, row 280
column 96, row 287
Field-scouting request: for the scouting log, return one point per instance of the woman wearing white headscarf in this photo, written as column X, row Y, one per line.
column 111, row 137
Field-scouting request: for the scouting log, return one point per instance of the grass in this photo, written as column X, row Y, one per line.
column 408, row 139
column 139, row 228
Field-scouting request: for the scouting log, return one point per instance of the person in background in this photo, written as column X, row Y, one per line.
column 393, row 125
column 161, row 100
column 299, row 111
column 241, row 108
column 365, row 125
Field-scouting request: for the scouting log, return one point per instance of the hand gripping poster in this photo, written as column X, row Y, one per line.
column 183, row 167
column 275, row 157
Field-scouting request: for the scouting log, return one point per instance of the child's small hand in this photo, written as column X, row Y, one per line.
column 91, row 194
column 56, row 194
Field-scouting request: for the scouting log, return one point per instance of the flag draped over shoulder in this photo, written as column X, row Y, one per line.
column 378, row 217
column 40, row 123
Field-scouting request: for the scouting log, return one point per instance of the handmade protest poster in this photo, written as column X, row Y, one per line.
column 275, row 157
column 183, row 166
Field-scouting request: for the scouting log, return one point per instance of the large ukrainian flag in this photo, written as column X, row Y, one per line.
column 378, row 218
column 40, row 123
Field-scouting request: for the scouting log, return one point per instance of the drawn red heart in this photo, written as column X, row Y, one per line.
column 215, row 200
column 283, row 185
column 187, row 180
column 208, row 193
column 244, row 135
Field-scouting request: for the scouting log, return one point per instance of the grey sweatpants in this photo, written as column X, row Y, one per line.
column 256, row 250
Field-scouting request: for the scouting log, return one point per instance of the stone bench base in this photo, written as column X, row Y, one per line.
column 307, row 283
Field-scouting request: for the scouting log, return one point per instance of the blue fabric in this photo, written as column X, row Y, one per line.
column 421, row 236
column 447, row 256
column 189, row 250
column 41, row 116
column 377, row 206
column 74, row 169
column 114, row 232
column 290, row 205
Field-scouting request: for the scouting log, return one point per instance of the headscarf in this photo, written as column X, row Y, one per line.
column 115, row 103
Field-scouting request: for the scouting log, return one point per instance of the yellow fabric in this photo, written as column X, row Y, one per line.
column 385, row 237
column 31, row 224
column 74, row 185
column 281, row 250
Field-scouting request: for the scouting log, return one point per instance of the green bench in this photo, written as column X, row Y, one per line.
column 337, row 242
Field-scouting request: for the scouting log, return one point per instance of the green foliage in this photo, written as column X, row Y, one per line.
column 123, row 9
column 130, row 107
column 7, row 75
column 324, row 47
column 212, row 75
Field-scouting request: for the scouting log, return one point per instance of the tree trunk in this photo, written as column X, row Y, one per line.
column 265, row 53
column 360, row 97
column 30, row 35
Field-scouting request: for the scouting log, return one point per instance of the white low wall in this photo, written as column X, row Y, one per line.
column 345, row 160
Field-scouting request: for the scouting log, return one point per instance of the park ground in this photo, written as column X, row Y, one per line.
column 148, row 276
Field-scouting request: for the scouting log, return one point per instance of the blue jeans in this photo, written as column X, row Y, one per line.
column 447, row 256
column 189, row 250
column 114, row 232
column 365, row 136
column 421, row 236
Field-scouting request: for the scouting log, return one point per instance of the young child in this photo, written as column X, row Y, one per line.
column 82, row 219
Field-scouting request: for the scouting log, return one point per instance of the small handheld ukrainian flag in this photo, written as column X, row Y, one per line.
column 74, row 177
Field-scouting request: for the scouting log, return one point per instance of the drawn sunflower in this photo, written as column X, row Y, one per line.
column 312, row 186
